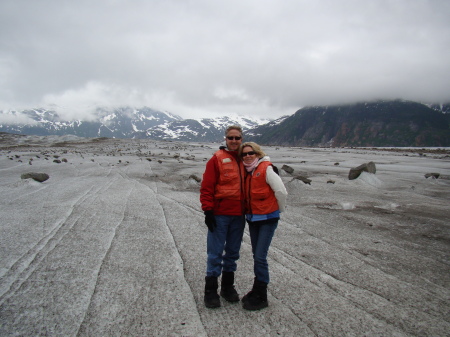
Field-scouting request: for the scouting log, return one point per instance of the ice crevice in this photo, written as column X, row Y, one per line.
column 19, row 272
column 363, row 296
column 102, row 264
column 142, row 273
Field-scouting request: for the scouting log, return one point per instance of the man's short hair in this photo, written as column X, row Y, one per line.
column 234, row 127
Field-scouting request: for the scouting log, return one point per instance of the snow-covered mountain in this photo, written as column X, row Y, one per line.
column 375, row 123
column 125, row 122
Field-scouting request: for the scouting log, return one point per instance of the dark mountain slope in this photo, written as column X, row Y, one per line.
column 391, row 123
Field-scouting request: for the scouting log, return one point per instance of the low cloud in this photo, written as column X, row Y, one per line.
column 12, row 117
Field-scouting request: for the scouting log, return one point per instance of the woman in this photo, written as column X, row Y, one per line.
column 265, row 198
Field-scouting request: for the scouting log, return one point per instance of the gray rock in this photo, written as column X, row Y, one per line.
column 433, row 175
column 304, row 179
column 371, row 168
column 40, row 177
column 366, row 167
column 287, row 169
column 195, row 177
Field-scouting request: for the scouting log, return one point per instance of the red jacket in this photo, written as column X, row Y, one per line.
column 260, row 198
column 222, row 185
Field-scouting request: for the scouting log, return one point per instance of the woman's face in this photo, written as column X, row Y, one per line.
column 248, row 155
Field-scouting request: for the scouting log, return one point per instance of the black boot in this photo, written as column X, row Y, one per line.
column 227, row 290
column 257, row 298
column 212, row 299
column 250, row 293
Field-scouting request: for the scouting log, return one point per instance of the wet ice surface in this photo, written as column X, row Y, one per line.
column 114, row 243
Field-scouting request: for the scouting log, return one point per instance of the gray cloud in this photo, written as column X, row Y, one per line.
column 203, row 58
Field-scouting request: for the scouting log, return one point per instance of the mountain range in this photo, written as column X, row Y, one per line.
column 377, row 123
column 382, row 123
column 126, row 122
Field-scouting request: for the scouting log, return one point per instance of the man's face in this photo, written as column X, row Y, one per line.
column 233, row 144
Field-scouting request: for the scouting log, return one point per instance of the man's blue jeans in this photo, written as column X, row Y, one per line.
column 223, row 244
column 261, row 234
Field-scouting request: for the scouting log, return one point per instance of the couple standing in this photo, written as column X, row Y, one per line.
column 239, row 184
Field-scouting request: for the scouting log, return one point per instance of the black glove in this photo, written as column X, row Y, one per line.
column 210, row 220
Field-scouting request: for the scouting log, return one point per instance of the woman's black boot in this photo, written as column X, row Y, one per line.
column 257, row 298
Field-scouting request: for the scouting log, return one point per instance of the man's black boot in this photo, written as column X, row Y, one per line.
column 227, row 290
column 212, row 299
column 257, row 298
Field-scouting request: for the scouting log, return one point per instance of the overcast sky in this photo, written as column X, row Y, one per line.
column 204, row 58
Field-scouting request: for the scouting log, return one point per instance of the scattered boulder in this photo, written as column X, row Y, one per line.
column 432, row 175
column 40, row 177
column 330, row 182
column 366, row 167
column 57, row 161
column 287, row 169
column 304, row 179
column 195, row 177
column 371, row 167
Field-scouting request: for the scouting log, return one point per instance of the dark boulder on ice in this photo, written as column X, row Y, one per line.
column 432, row 175
column 304, row 179
column 366, row 167
column 40, row 177
column 287, row 169
column 195, row 177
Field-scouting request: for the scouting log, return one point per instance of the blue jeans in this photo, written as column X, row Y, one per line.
column 261, row 234
column 226, row 238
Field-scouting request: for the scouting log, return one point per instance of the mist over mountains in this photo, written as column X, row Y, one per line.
column 381, row 123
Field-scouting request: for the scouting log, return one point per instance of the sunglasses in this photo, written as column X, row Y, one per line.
column 249, row 153
column 235, row 138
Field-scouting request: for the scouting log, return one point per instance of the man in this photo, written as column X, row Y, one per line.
column 221, row 196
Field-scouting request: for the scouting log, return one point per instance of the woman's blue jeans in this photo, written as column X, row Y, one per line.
column 261, row 234
column 223, row 244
